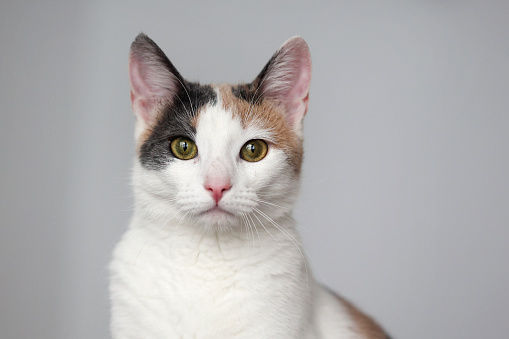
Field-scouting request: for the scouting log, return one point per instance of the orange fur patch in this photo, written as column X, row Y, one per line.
column 365, row 326
column 268, row 115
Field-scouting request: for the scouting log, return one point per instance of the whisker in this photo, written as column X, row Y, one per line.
column 297, row 244
column 261, row 223
column 254, row 95
column 254, row 225
column 185, row 89
column 271, row 204
column 277, row 194
column 247, row 223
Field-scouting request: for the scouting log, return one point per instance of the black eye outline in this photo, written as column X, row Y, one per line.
column 261, row 151
column 174, row 144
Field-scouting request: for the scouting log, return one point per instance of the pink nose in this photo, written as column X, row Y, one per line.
column 217, row 188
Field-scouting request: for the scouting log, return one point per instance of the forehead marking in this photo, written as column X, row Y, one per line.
column 268, row 115
column 174, row 118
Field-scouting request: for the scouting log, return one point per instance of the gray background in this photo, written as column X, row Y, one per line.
column 405, row 196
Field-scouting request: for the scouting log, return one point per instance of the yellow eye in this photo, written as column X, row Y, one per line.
column 254, row 150
column 183, row 148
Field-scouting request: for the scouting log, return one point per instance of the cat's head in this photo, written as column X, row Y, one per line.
column 218, row 156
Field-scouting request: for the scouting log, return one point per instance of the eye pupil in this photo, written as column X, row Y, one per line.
column 251, row 148
column 183, row 144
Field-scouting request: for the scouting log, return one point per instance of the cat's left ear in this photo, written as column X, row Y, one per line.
column 286, row 79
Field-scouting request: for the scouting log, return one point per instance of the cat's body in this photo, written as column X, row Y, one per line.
column 212, row 250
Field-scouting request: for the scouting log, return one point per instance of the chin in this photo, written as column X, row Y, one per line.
column 217, row 219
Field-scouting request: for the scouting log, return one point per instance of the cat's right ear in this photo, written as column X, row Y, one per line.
column 154, row 80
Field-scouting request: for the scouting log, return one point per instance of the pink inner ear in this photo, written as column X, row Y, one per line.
column 141, row 98
column 288, row 79
column 298, row 96
column 151, row 84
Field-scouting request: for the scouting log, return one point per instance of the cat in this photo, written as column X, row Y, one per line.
column 212, row 250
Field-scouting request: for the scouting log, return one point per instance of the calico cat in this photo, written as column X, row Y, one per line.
column 212, row 250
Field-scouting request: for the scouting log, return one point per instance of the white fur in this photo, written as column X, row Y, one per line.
column 181, row 273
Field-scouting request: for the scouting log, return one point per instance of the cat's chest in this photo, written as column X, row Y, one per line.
column 182, row 269
column 202, row 287
column 199, row 278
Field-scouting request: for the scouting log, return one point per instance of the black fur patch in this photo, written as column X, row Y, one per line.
column 175, row 120
column 246, row 92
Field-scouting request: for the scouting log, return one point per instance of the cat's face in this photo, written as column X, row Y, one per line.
column 218, row 156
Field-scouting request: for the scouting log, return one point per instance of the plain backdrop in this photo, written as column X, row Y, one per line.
column 405, row 201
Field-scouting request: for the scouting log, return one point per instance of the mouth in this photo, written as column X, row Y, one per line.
column 217, row 211
column 217, row 216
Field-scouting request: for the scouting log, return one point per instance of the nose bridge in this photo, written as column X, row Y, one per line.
column 217, row 132
column 217, row 169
